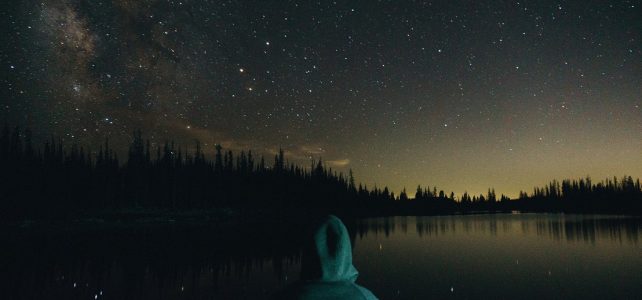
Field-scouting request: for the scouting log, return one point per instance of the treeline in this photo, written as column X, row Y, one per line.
column 59, row 181
column 607, row 196
column 56, row 181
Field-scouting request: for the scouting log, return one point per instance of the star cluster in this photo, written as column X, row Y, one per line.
column 464, row 95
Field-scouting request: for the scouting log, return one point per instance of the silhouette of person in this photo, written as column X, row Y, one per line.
column 326, row 267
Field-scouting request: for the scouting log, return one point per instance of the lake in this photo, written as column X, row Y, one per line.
column 500, row 256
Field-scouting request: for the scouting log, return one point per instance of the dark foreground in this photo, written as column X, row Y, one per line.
column 474, row 256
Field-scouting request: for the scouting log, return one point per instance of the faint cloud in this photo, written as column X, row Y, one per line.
column 339, row 162
column 312, row 150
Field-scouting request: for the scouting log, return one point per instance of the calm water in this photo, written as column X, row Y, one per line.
column 501, row 256
column 480, row 256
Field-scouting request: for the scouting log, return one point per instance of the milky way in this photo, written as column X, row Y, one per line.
column 464, row 95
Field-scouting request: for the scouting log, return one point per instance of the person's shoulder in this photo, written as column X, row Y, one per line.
column 366, row 293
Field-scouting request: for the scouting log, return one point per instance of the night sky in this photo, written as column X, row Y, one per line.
column 464, row 95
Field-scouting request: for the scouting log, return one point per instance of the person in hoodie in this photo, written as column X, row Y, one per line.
column 326, row 267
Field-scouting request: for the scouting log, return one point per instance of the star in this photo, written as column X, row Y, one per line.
column 359, row 88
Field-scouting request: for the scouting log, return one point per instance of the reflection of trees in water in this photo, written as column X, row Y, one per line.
column 434, row 226
column 151, row 264
column 158, row 263
column 588, row 229
column 404, row 225
column 555, row 226
column 376, row 226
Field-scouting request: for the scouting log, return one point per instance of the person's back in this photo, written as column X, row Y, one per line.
column 327, row 271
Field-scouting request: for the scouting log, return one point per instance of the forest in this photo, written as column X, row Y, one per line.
column 58, row 181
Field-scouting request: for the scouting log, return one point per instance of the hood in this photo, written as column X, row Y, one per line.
column 328, row 257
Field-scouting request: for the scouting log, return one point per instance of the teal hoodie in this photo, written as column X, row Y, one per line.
column 326, row 268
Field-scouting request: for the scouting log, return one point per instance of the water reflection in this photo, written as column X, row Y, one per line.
column 159, row 263
column 546, row 255
column 585, row 228
column 503, row 256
